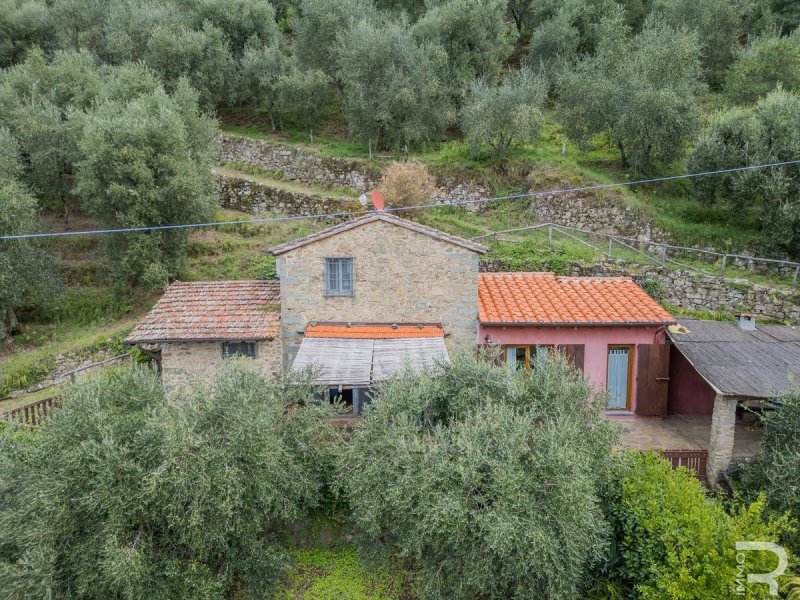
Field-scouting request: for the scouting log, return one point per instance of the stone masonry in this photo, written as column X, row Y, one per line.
column 185, row 363
column 723, row 430
column 399, row 276
column 249, row 196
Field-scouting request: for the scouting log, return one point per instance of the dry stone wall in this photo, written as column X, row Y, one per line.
column 249, row 196
column 295, row 164
column 597, row 214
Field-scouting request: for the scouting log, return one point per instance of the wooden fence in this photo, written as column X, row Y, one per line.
column 33, row 414
column 692, row 459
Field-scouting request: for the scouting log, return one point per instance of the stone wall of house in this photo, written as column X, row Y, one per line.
column 184, row 364
column 399, row 276
column 691, row 290
column 249, row 196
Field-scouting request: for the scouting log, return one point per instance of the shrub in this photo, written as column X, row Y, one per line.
column 406, row 184
column 677, row 543
column 484, row 482
column 776, row 469
column 126, row 495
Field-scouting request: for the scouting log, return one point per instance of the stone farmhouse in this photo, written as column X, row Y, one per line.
column 359, row 300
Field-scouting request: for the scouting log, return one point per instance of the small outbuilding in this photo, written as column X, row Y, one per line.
column 608, row 326
column 716, row 367
column 197, row 325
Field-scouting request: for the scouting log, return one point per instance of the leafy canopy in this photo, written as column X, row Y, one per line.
column 502, row 114
column 676, row 543
column 641, row 90
column 393, row 85
column 767, row 132
column 484, row 482
column 127, row 495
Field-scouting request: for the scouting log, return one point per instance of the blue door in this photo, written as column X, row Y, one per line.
column 619, row 377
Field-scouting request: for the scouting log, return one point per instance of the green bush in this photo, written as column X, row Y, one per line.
column 126, row 495
column 484, row 482
column 776, row 469
column 678, row 543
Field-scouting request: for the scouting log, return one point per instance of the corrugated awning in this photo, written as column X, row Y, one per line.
column 361, row 362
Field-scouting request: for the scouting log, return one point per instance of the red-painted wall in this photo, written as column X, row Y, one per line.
column 689, row 393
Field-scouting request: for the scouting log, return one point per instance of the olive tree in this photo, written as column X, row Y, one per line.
column 484, row 482
column 260, row 71
column 303, row 95
column 395, row 88
column 767, row 132
column 502, row 114
column 767, row 62
column 27, row 274
column 641, row 90
column 147, row 162
column 475, row 35
column 202, row 56
column 318, row 26
column 24, row 23
column 127, row 494
column 718, row 25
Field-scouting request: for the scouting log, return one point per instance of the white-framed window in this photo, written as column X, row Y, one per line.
column 234, row 349
column 338, row 276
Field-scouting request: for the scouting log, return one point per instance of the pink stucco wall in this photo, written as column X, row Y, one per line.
column 595, row 340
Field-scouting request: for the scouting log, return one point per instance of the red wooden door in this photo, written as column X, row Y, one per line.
column 652, row 380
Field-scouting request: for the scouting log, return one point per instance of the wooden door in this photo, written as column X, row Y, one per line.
column 618, row 382
column 652, row 380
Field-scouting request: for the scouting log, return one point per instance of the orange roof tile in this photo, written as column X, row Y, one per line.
column 545, row 299
column 212, row 311
column 373, row 331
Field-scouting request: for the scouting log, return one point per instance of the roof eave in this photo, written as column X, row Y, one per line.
column 575, row 324
column 134, row 342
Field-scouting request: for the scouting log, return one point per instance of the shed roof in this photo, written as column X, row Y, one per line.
column 755, row 363
column 544, row 299
column 212, row 311
column 375, row 217
column 360, row 361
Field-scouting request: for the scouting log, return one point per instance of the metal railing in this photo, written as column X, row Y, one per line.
column 662, row 257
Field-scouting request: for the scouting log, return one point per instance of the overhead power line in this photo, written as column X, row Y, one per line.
column 443, row 202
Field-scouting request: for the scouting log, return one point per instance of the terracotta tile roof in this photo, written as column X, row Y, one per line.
column 386, row 218
column 212, row 311
column 373, row 331
column 545, row 299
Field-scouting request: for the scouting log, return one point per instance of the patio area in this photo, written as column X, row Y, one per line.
column 683, row 432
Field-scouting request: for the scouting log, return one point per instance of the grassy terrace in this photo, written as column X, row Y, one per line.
column 544, row 166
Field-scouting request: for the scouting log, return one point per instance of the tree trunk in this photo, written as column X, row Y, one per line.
column 622, row 154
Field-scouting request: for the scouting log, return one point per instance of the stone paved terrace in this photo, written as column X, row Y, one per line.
column 683, row 432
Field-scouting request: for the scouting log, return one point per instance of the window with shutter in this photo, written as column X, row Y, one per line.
column 338, row 276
